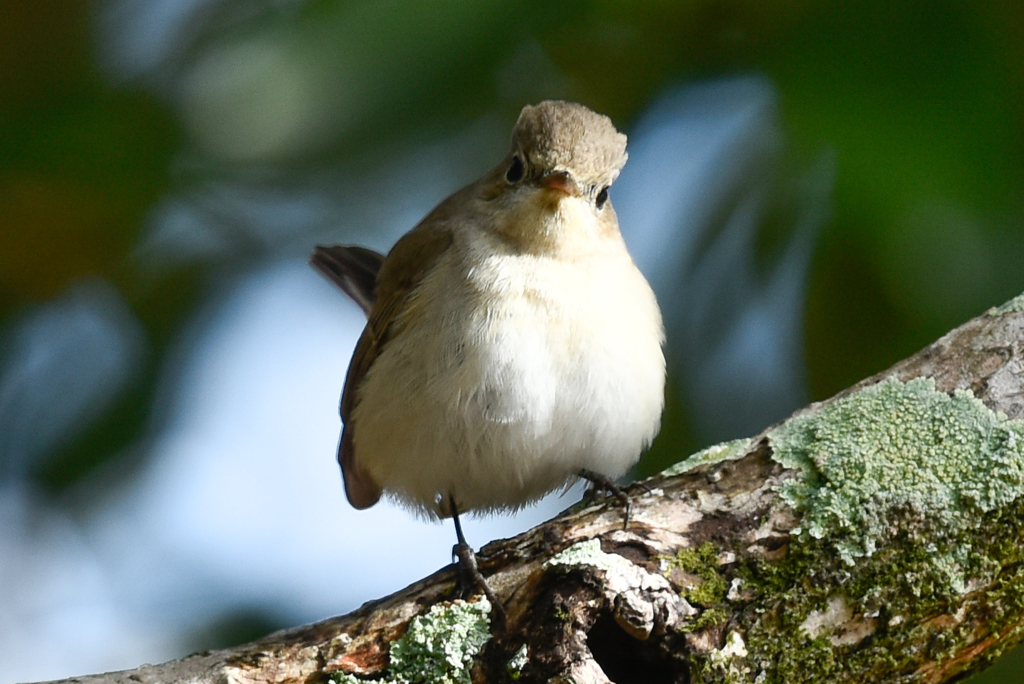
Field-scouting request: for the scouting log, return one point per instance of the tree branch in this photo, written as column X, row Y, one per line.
column 875, row 536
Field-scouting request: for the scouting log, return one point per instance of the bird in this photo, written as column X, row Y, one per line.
column 512, row 346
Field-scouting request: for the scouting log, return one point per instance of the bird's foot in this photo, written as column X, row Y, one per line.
column 471, row 581
column 470, row 577
column 602, row 483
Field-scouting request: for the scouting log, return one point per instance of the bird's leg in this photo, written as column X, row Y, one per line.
column 469, row 574
column 599, row 481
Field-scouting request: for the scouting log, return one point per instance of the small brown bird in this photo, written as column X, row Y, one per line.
column 512, row 345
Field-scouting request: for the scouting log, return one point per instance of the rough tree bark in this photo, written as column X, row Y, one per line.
column 872, row 537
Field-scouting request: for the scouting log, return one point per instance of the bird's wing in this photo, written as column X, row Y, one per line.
column 399, row 273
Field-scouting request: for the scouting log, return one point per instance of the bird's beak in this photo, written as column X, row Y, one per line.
column 560, row 181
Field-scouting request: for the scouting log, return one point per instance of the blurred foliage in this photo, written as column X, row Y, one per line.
column 922, row 104
column 80, row 163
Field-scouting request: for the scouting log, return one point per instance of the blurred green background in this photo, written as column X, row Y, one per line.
column 111, row 111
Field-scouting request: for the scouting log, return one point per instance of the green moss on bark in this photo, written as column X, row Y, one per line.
column 900, row 447
column 911, row 505
column 438, row 647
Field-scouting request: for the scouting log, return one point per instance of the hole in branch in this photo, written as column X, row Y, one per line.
column 626, row 660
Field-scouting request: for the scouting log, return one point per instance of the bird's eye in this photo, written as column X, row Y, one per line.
column 601, row 198
column 515, row 170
